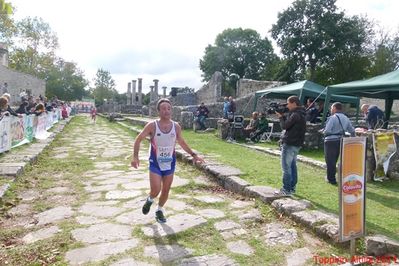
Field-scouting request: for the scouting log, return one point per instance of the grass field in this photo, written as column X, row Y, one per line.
column 261, row 169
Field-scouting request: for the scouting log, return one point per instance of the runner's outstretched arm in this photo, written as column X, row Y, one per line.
column 185, row 147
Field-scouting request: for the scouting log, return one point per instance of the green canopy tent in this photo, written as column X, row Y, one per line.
column 384, row 86
column 303, row 89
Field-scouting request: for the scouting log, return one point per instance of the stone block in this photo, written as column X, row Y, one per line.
column 330, row 231
column 222, row 170
column 12, row 169
column 3, row 189
column 266, row 194
column 289, row 206
column 379, row 245
column 313, row 218
column 235, row 184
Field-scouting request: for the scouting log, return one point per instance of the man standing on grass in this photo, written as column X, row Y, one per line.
column 336, row 127
column 294, row 125
column 163, row 134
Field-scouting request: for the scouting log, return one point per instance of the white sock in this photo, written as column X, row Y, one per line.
column 150, row 199
column 160, row 209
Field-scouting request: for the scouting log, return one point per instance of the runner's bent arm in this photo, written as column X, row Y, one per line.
column 147, row 131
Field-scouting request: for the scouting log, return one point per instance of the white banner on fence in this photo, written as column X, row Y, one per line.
column 17, row 131
column 41, row 126
column 5, row 136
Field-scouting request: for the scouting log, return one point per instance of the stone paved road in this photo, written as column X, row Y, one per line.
column 81, row 204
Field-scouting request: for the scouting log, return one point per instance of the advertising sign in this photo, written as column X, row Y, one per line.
column 384, row 147
column 352, row 188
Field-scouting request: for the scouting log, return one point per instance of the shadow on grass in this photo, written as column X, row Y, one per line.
column 391, row 185
column 373, row 229
column 388, row 201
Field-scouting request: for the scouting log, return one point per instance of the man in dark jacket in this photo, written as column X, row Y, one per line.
column 202, row 115
column 374, row 116
column 294, row 124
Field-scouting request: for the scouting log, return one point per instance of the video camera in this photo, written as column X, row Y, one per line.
column 276, row 107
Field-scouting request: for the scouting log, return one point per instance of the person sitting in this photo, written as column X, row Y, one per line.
column 201, row 115
column 260, row 129
column 373, row 115
column 253, row 124
column 311, row 112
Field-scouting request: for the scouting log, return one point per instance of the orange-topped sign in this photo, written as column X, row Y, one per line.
column 352, row 188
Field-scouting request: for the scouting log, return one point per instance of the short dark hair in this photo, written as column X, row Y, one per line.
column 337, row 106
column 294, row 99
column 163, row 100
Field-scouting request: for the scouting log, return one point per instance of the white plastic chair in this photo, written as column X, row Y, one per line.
column 268, row 134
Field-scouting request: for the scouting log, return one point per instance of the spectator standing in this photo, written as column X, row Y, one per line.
column 226, row 107
column 9, row 109
column 5, row 88
column 3, row 107
column 294, row 124
column 23, row 108
column 93, row 114
column 64, row 112
column 336, row 127
column 232, row 106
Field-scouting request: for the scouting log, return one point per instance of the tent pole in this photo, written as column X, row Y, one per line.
column 388, row 109
column 357, row 111
column 256, row 102
column 326, row 107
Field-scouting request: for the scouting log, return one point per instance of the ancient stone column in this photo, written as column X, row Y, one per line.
column 134, row 102
column 152, row 94
column 140, row 91
column 129, row 93
column 164, row 91
column 156, row 95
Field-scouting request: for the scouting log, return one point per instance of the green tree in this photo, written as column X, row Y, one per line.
column 104, row 87
column 313, row 32
column 66, row 81
column 385, row 53
column 35, row 53
column 121, row 98
column 5, row 8
column 7, row 27
column 146, row 98
column 284, row 70
column 237, row 51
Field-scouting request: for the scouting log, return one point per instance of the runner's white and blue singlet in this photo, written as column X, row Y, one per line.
column 162, row 151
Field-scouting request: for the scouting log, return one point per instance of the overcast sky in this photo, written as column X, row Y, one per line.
column 163, row 39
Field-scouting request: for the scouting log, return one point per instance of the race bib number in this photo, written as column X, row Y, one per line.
column 165, row 154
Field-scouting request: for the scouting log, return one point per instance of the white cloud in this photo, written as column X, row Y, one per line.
column 162, row 39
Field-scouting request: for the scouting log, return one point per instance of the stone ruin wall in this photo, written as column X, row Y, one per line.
column 212, row 91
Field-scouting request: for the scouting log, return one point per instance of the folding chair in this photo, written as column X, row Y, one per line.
column 268, row 134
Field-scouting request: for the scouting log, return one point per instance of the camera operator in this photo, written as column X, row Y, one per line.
column 294, row 124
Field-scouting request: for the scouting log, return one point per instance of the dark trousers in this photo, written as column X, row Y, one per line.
column 331, row 154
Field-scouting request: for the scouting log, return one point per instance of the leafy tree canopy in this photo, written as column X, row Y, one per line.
column 238, row 51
